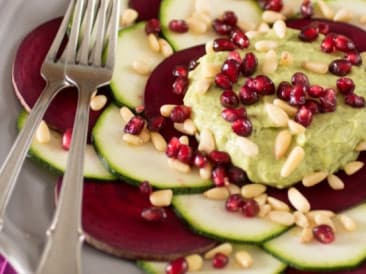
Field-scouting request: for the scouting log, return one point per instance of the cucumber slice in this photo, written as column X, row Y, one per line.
column 246, row 10
column 128, row 86
column 263, row 263
column 210, row 218
column 139, row 163
column 54, row 157
column 347, row 251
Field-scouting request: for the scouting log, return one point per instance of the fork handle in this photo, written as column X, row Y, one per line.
column 62, row 253
column 11, row 167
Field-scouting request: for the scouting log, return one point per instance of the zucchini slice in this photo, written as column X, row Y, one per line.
column 210, row 218
column 54, row 157
column 138, row 163
column 246, row 10
column 263, row 263
column 347, row 251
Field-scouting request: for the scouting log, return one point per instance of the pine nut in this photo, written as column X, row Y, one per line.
column 161, row 198
column 352, row 167
column 265, row 45
column 282, row 217
column 195, row 262
column 298, row 200
column 347, row 222
column 261, row 199
column 178, row 165
column 43, row 135
column 293, row 160
column 145, row 135
column 270, row 63
column 207, row 141
column 263, row 27
column 246, row 25
column 153, row 42
column 316, row 67
column 282, row 143
column 247, row 146
column 325, row 9
column 314, row 178
column 165, row 48
column 280, row 28
column 165, row 110
column 225, row 248
column 343, row 15
column 301, row 220
column 264, row 210
column 184, row 140
column 252, row 34
column 328, row 213
column 244, row 259
column 288, row 11
column 277, row 204
column 158, row 141
column 210, row 70
column 197, row 26
column 98, row 102
column 335, row 182
column 132, row 139
column 321, row 219
column 361, row 146
column 287, row 59
column 203, row 17
column 126, row 114
column 233, row 189
column 217, row 193
column 290, row 110
column 128, row 17
column 296, row 128
column 205, row 172
column 187, row 127
column 252, row 190
column 141, row 67
column 306, row 235
column 209, row 47
column 363, row 19
column 269, row 16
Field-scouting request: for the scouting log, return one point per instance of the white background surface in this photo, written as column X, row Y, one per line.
column 31, row 207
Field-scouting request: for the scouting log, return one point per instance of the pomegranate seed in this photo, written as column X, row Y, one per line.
column 219, row 157
column 248, row 96
column 219, row 176
column 180, row 85
column 234, row 55
column 135, row 125
column 192, row 64
column 316, row 91
column 145, row 188
column 178, row 26
column 236, row 175
column 249, row 64
column 223, row 44
column 263, row 85
column 152, row 26
column 180, row 71
column 66, row 139
column 328, row 102
column 323, row 27
column 340, row 67
column 284, row 90
column 242, row 127
column 229, row 99
column 345, row 85
column 300, row 78
column 250, row 208
column 309, row 33
column 239, row 38
column 155, row 123
column 200, row 160
column 234, row 203
column 180, row 113
column 354, row 58
column 223, row 81
column 220, row 260
column 221, row 28
column 178, row 266
column 324, row 234
column 230, row 18
column 304, row 116
column 328, row 44
column 312, row 105
column 154, row 214
column 298, row 95
column 306, row 9
column 354, row 100
column 231, row 69
column 185, row 154
column 343, row 43
column 173, row 147
column 231, row 115
column 275, row 5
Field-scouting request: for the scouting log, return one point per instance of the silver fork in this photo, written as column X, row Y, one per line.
column 87, row 67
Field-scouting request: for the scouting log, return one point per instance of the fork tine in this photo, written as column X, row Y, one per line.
column 112, row 34
column 99, row 28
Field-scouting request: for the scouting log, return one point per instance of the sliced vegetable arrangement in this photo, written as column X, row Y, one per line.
column 211, row 141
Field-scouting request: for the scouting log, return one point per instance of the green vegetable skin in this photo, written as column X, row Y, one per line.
column 330, row 140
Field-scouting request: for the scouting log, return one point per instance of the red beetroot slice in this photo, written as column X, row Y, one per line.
column 112, row 223
column 28, row 83
column 146, row 9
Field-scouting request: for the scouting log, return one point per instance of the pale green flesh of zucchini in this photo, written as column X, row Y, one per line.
column 55, row 157
column 138, row 163
column 347, row 251
column 210, row 218
column 128, row 86
column 263, row 264
column 246, row 10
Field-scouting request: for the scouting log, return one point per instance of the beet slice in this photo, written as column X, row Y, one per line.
column 146, row 9
column 28, row 83
column 112, row 223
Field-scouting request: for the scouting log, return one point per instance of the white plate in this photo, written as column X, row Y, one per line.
column 31, row 208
